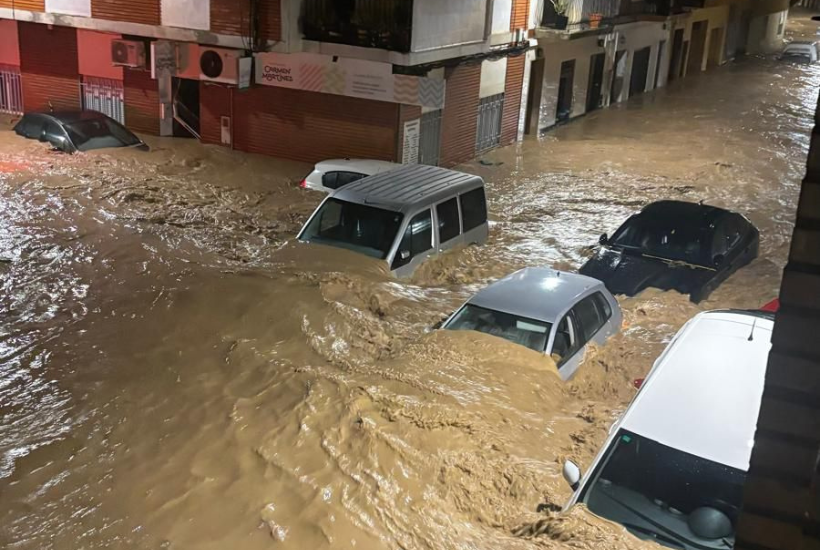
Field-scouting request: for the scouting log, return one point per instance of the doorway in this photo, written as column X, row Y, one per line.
column 640, row 71
column 618, row 71
column 658, row 65
column 596, row 81
column 186, row 107
column 676, row 57
column 564, row 108
column 697, row 47
column 534, row 96
column 715, row 38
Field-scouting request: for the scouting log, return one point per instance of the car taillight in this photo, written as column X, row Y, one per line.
column 303, row 184
column 772, row 306
column 638, row 382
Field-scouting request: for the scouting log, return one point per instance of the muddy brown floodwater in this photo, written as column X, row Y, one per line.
column 176, row 373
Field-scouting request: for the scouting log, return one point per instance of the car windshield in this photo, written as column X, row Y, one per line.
column 357, row 227
column 662, row 238
column 98, row 133
column 520, row 330
column 653, row 490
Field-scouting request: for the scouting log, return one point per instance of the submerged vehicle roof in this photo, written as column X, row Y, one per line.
column 70, row 117
column 362, row 166
column 681, row 211
column 408, row 188
column 704, row 396
column 537, row 293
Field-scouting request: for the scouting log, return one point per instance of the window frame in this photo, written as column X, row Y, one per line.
column 439, row 238
column 588, row 336
column 398, row 262
column 573, row 326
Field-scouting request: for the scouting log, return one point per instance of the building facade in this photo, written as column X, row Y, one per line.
column 400, row 80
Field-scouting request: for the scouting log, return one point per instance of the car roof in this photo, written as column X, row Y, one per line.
column 408, row 188
column 537, row 293
column 802, row 43
column 69, row 117
column 361, row 166
column 691, row 212
column 703, row 395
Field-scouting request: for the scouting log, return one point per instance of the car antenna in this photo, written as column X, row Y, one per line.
column 752, row 334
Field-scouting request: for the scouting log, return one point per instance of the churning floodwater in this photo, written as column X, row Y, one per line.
column 176, row 373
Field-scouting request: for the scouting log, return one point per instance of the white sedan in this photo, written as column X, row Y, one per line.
column 333, row 174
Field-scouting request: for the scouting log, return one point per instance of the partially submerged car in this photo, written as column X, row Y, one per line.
column 402, row 216
column 801, row 51
column 329, row 175
column 673, row 467
column 673, row 245
column 72, row 131
column 545, row 310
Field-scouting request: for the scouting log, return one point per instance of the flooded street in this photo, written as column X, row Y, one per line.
column 176, row 373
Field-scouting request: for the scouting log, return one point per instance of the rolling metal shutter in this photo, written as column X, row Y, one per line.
column 512, row 99
column 310, row 126
column 29, row 5
column 48, row 63
column 141, row 101
column 146, row 12
column 459, row 117
column 214, row 103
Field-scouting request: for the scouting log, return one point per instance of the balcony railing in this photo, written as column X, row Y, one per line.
column 583, row 15
column 383, row 24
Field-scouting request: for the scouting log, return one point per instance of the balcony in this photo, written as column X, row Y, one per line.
column 383, row 24
column 583, row 16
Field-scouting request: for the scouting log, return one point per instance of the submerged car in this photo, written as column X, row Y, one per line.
column 402, row 216
column 72, row 131
column 801, row 51
column 545, row 310
column 674, row 245
column 335, row 173
column 673, row 467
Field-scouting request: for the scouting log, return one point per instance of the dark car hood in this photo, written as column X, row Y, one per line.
column 626, row 273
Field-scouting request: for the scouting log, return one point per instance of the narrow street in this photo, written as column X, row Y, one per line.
column 176, row 373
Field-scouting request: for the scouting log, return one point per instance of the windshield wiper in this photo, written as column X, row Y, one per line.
column 677, row 263
column 667, row 540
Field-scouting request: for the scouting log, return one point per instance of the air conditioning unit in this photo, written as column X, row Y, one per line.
column 219, row 65
column 128, row 53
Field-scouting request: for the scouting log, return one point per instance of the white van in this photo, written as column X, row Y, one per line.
column 402, row 216
column 674, row 465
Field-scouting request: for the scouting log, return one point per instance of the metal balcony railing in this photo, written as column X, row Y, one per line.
column 583, row 15
column 383, row 24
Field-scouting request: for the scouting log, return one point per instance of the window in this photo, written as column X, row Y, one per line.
column 519, row 330
column 473, row 208
column 448, row 224
column 588, row 317
column 334, row 180
column 417, row 239
column 357, row 227
column 602, row 304
column 566, row 341
column 663, row 238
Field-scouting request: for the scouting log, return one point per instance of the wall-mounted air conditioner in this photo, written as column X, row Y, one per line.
column 219, row 65
column 128, row 53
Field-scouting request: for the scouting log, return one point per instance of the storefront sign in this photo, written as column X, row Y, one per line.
column 349, row 77
column 412, row 134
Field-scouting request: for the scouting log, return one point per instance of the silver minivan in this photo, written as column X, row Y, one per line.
column 402, row 216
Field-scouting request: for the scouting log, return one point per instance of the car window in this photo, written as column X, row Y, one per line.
column 473, row 208
column 417, row 239
column 589, row 318
column 566, row 341
column 448, row 224
column 531, row 333
column 31, row 126
column 720, row 242
column 335, row 180
column 602, row 304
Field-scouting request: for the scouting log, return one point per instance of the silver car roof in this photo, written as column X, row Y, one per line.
column 537, row 293
column 408, row 188
column 362, row 166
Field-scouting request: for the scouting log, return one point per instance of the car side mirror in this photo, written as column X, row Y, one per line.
column 718, row 260
column 404, row 255
column 572, row 474
column 603, row 239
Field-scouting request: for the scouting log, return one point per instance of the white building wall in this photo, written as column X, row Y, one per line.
column 637, row 36
column 438, row 24
column 187, row 14
column 493, row 77
column 502, row 14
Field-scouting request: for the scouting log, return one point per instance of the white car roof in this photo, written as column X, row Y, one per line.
column 703, row 395
column 536, row 293
column 362, row 166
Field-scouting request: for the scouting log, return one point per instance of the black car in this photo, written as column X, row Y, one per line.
column 673, row 245
column 72, row 131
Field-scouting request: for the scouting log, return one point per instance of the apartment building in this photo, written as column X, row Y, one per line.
column 401, row 80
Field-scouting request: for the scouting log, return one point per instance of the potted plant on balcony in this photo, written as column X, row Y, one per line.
column 561, row 19
column 595, row 20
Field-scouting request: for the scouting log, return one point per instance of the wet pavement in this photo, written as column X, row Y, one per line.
column 176, row 373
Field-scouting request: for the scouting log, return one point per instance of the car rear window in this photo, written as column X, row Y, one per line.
column 335, row 180
column 473, row 208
